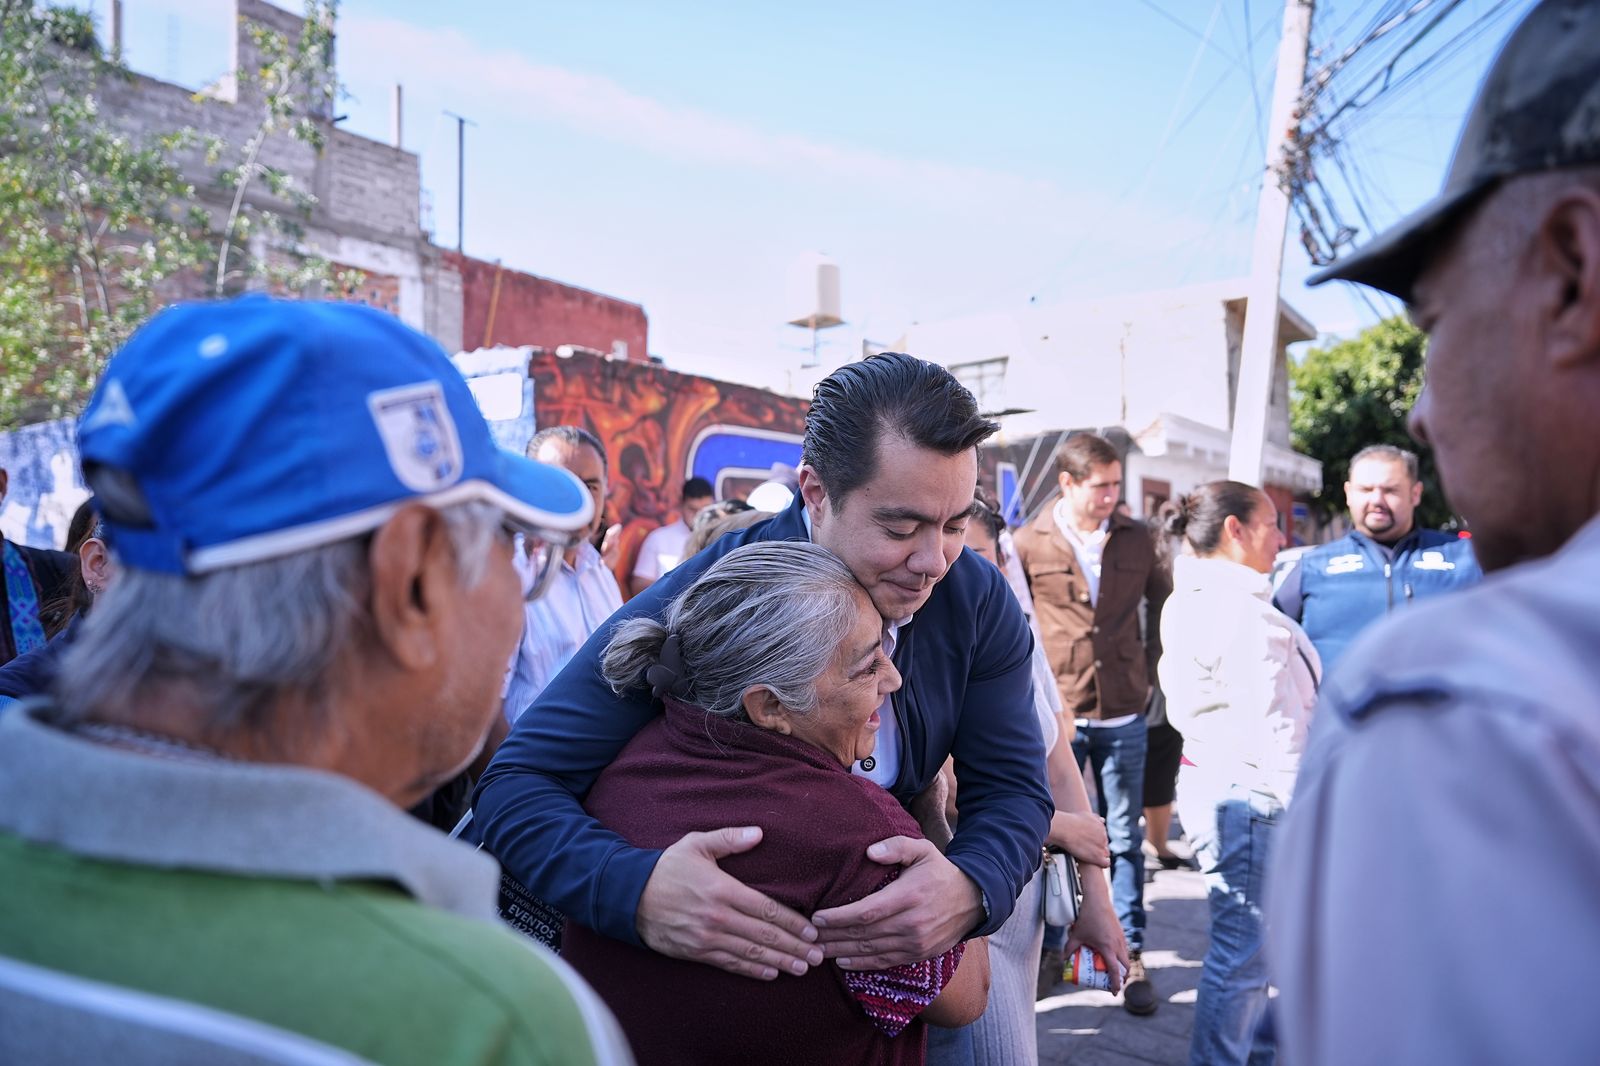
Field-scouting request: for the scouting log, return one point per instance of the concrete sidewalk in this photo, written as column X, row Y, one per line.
column 1087, row 1028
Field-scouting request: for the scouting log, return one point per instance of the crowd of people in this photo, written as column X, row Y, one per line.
column 332, row 736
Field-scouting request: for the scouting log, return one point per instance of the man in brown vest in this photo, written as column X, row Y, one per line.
column 1089, row 568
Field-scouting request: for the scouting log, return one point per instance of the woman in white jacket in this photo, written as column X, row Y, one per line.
column 1240, row 679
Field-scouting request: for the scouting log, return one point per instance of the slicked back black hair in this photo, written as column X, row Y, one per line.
column 854, row 407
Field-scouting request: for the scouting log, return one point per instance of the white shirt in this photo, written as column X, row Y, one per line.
column 1088, row 547
column 885, row 758
column 580, row 598
column 1433, row 887
column 1046, row 698
column 1240, row 678
column 662, row 550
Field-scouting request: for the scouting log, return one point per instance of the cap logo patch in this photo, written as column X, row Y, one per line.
column 112, row 409
column 419, row 435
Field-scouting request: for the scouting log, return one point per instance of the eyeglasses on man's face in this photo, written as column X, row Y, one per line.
column 537, row 554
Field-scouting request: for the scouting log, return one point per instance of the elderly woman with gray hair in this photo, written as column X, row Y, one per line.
column 771, row 668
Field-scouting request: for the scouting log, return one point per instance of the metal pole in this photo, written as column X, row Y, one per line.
column 461, row 177
column 1258, row 350
column 117, row 26
column 461, row 183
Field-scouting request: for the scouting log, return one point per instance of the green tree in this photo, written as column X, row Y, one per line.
column 1359, row 392
column 99, row 229
column 92, row 223
column 295, row 80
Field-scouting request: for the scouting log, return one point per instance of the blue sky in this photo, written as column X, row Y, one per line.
column 951, row 159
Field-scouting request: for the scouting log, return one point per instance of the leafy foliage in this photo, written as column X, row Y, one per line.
column 1359, row 392
column 296, row 87
column 98, row 229
column 94, row 223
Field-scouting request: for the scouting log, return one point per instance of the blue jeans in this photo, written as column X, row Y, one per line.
column 1232, row 1000
column 949, row 1047
column 1117, row 755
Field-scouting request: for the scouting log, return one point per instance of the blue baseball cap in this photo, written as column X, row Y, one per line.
column 236, row 431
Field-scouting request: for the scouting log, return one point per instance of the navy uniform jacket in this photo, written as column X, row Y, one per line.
column 966, row 659
column 1340, row 588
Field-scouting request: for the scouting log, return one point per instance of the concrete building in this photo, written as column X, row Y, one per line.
column 367, row 215
column 367, row 192
column 1161, row 367
column 366, row 218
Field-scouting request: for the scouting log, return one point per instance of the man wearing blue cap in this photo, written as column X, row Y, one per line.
column 315, row 603
column 1433, row 894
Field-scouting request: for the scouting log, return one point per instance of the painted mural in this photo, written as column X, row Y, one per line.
column 44, row 486
column 661, row 427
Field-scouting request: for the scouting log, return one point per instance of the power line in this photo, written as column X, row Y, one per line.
column 1374, row 62
column 1205, row 40
column 1322, row 78
column 1255, row 96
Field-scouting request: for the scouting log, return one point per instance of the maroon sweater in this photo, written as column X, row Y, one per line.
column 692, row 772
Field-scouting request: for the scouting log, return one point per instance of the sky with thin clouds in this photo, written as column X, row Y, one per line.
column 953, row 159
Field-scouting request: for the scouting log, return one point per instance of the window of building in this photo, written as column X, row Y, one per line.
column 986, row 380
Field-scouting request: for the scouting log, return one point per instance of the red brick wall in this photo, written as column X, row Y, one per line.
column 375, row 290
column 538, row 311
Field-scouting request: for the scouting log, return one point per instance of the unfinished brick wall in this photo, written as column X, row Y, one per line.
column 531, row 310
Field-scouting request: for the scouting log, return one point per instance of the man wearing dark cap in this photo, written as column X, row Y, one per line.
column 1434, row 893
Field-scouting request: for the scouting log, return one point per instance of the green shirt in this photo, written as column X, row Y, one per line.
column 228, row 885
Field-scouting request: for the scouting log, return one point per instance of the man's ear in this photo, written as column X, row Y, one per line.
column 411, row 561
column 1063, row 481
column 764, row 710
column 812, row 490
column 1416, row 493
column 1569, row 249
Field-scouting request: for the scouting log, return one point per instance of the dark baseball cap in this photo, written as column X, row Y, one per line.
column 1538, row 109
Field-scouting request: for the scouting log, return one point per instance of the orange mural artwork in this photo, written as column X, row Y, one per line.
column 660, row 427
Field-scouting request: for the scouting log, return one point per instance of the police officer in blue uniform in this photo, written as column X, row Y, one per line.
column 1337, row 589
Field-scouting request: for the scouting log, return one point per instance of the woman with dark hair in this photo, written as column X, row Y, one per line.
column 771, row 669
column 1241, row 679
column 31, row 673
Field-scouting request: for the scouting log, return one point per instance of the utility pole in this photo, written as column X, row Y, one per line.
column 118, row 24
column 461, row 176
column 1260, row 345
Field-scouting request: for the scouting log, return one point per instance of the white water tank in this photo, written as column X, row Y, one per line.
column 813, row 294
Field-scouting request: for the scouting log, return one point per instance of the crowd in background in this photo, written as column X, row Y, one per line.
column 856, row 770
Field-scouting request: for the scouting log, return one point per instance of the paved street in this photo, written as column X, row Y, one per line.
column 1087, row 1028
